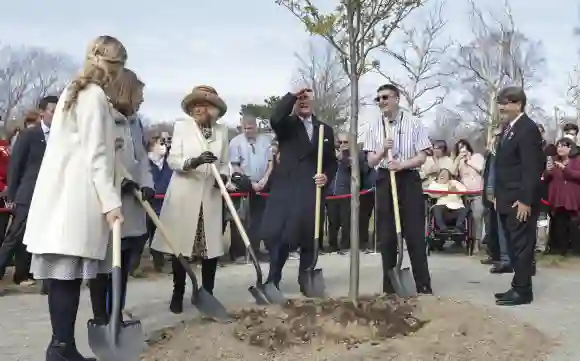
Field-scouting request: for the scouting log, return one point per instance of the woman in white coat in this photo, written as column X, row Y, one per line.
column 192, row 210
column 76, row 202
column 126, row 96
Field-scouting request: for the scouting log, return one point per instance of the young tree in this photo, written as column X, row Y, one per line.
column 355, row 28
column 420, row 57
column 498, row 55
column 321, row 70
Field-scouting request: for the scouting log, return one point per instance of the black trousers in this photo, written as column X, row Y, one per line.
column 12, row 246
column 412, row 212
column 521, row 244
column 257, row 204
column 492, row 236
column 208, row 271
column 338, row 213
column 4, row 218
column 564, row 235
column 279, row 255
column 367, row 205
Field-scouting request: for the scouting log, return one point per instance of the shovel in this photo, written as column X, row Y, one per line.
column 117, row 340
column 206, row 303
column 401, row 278
column 312, row 280
column 264, row 293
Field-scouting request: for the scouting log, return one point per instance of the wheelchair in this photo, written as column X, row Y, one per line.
column 437, row 240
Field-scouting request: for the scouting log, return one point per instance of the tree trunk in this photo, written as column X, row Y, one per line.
column 353, row 291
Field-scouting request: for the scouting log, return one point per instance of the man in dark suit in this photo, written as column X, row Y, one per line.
column 519, row 165
column 288, row 220
column 23, row 170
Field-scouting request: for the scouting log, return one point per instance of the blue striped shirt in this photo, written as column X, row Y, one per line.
column 252, row 156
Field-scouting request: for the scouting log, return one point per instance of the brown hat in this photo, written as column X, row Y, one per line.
column 204, row 94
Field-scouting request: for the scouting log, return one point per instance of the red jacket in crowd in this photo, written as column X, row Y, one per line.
column 4, row 160
column 564, row 186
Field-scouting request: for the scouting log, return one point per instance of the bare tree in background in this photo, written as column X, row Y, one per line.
column 420, row 57
column 498, row 55
column 29, row 73
column 321, row 70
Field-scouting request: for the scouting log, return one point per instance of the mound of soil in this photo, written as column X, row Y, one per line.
column 310, row 321
column 379, row 328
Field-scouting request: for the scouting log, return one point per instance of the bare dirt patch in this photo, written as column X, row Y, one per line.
column 428, row 329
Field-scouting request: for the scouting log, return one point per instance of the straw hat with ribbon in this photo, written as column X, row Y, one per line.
column 204, row 94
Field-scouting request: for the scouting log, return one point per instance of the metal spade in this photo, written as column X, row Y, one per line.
column 117, row 340
column 312, row 280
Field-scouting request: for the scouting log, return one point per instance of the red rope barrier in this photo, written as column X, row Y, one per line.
column 465, row 193
column 263, row 194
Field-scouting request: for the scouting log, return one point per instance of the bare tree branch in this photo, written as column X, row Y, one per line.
column 421, row 58
column 29, row 73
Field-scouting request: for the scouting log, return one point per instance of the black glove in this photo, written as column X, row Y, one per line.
column 224, row 179
column 148, row 194
column 204, row 158
column 128, row 186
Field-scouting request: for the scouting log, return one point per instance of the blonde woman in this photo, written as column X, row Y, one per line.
column 192, row 209
column 126, row 95
column 75, row 201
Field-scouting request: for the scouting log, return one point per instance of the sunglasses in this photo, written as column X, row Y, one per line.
column 382, row 97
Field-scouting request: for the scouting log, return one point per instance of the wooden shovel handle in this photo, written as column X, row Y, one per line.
column 318, row 200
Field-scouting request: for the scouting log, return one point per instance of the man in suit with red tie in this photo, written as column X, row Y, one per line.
column 519, row 165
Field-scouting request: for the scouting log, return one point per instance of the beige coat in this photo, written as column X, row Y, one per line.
column 187, row 191
column 75, row 185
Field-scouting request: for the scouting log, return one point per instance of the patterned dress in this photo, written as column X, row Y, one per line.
column 199, row 245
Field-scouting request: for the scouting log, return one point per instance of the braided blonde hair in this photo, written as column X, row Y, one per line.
column 105, row 58
column 123, row 92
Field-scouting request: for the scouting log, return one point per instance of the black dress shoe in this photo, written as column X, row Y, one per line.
column 424, row 290
column 501, row 268
column 513, row 298
column 501, row 294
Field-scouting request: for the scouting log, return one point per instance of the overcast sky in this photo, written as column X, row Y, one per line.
column 246, row 52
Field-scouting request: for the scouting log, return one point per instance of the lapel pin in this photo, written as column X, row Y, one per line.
column 511, row 135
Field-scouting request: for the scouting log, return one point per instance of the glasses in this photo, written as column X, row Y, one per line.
column 343, row 142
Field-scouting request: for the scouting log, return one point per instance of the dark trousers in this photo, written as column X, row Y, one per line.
column 496, row 242
column 521, row 244
column 338, row 213
column 412, row 212
column 367, row 205
column 4, row 219
column 63, row 304
column 13, row 247
column 158, row 258
column 444, row 216
column 253, row 220
column 564, row 235
column 208, row 271
column 279, row 255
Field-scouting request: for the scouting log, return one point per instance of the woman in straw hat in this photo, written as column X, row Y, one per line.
column 75, row 201
column 126, row 95
column 192, row 209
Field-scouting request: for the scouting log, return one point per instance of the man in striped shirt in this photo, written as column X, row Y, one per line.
column 407, row 139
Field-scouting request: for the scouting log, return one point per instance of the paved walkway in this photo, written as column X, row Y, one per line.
column 25, row 329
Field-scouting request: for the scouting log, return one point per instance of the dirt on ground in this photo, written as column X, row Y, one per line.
column 378, row 328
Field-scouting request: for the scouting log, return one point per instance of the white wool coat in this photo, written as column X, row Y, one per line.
column 76, row 181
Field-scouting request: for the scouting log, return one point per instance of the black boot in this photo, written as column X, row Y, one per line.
column 60, row 351
column 208, row 270
column 176, row 305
